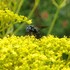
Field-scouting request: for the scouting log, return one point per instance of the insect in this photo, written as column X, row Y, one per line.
column 33, row 30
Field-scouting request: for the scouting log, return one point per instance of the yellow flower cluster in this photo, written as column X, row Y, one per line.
column 3, row 5
column 29, row 53
column 7, row 16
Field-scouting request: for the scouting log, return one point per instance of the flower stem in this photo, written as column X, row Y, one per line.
column 19, row 7
column 21, row 26
column 34, row 8
column 53, row 22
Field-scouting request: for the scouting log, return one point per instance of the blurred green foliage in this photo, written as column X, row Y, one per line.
column 42, row 13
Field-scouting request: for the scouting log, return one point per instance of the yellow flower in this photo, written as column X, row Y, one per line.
column 27, row 52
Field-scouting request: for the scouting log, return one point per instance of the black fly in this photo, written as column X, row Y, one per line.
column 32, row 30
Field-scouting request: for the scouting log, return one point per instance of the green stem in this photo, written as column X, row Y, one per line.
column 35, row 6
column 32, row 12
column 53, row 22
column 3, row 32
column 9, row 28
column 18, row 28
column 19, row 7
